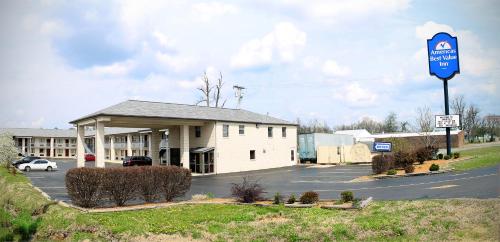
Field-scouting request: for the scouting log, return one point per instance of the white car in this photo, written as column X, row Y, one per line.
column 39, row 164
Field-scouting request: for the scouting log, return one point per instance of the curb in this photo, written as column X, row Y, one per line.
column 413, row 174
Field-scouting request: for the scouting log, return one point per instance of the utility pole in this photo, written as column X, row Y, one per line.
column 239, row 91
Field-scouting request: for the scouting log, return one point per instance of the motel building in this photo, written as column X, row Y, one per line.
column 205, row 140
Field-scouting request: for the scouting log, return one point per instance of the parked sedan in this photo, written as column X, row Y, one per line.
column 40, row 164
column 26, row 159
column 137, row 161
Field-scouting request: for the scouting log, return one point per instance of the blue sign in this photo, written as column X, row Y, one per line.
column 443, row 55
column 382, row 146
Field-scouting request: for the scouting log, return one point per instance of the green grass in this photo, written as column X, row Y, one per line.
column 482, row 157
column 466, row 219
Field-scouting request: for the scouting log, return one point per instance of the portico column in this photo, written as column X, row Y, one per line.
column 52, row 147
column 112, row 155
column 99, row 145
column 80, row 148
column 129, row 144
column 155, row 146
column 141, row 144
column 184, row 143
column 149, row 146
column 23, row 145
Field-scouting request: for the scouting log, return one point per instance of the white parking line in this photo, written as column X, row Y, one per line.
column 443, row 187
column 406, row 185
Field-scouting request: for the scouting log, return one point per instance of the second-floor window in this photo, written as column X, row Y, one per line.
column 241, row 129
column 270, row 132
column 225, row 130
column 197, row 131
column 283, row 132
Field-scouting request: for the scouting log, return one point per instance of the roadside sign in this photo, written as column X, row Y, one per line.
column 443, row 55
column 382, row 146
column 447, row 121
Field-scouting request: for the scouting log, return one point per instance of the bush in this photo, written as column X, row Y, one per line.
column 446, row 157
column 346, row 196
column 434, row 167
column 175, row 181
column 456, row 155
column 121, row 184
column 149, row 180
column 425, row 153
column 291, row 199
column 440, row 156
column 309, row 197
column 84, row 186
column 409, row 169
column 382, row 164
column 403, row 159
column 392, row 172
column 247, row 191
column 278, row 198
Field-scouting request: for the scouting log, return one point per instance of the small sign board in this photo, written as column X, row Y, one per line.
column 447, row 121
column 443, row 55
column 382, row 146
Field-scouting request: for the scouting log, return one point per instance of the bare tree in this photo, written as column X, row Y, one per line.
column 391, row 123
column 314, row 126
column 471, row 122
column 425, row 125
column 458, row 106
column 208, row 91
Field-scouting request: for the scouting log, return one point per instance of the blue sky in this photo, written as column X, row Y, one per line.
column 337, row 61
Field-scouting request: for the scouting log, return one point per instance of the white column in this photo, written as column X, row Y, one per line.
column 154, row 148
column 99, row 145
column 23, row 145
column 184, row 143
column 129, row 144
column 80, row 147
column 141, row 144
column 149, row 146
column 112, row 155
column 52, row 154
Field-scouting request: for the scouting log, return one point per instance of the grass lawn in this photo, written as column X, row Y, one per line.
column 25, row 212
column 483, row 157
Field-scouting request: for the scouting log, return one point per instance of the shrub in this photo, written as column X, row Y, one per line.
column 278, row 198
column 346, row 196
column 456, row 155
column 403, row 159
column 309, row 197
column 425, row 153
column 409, row 169
column 392, row 172
column 84, row 186
column 149, row 180
column 199, row 197
column 210, row 195
column 440, row 156
column 247, row 191
column 382, row 164
column 291, row 199
column 446, row 157
column 121, row 184
column 176, row 181
column 434, row 167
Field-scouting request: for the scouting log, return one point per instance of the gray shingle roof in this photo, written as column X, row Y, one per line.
column 30, row 132
column 183, row 111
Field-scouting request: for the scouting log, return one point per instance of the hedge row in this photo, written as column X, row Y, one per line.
column 402, row 159
column 89, row 187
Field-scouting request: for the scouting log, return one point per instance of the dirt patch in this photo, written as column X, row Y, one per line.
column 164, row 237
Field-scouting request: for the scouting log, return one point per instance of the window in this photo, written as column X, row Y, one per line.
column 283, row 132
column 197, row 131
column 270, row 132
column 252, row 154
column 292, row 155
column 225, row 130
column 242, row 129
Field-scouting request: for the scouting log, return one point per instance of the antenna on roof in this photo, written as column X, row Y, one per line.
column 239, row 91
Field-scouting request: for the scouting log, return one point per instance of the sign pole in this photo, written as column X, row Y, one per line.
column 447, row 112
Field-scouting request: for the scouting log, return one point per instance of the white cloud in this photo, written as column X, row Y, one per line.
column 332, row 68
column 329, row 12
column 208, row 11
column 282, row 44
column 115, row 69
column 163, row 40
column 355, row 95
column 54, row 28
column 38, row 122
column 174, row 62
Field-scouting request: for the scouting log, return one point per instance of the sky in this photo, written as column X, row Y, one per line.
column 335, row 61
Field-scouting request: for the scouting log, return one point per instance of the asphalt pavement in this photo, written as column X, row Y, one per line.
column 327, row 181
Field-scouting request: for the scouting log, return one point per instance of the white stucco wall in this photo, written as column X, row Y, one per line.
column 233, row 152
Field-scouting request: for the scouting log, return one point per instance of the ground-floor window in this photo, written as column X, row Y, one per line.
column 201, row 162
column 292, row 155
column 252, row 154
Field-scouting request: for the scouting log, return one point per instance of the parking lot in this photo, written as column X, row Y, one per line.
column 328, row 181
